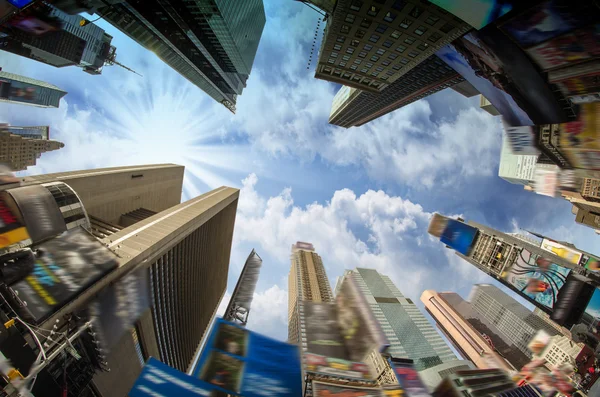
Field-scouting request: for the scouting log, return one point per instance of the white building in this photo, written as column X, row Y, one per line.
column 561, row 350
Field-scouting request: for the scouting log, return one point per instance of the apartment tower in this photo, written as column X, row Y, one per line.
column 307, row 281
column 183, row 248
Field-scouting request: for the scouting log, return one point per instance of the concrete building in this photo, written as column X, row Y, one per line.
column 354, row 107
column 590, row 189
column 19, row 152
column 26, row 91
column 518, row 169
column 544, row 316
column 35, row 132
column 408, row 331
column 561, row 350
column 212, row 43
column 487, row 106
column 586, row 217
column 307, row 281
column 184, row 247
column 466, row 89
column 369, row 44
column 465, row 338
column 433, row 376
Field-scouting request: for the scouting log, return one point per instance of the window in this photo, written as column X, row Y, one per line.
column 369, row 65
column 399, row 4
column 405, row 23
column 365, row 23
column 359, row 34
column 374, row 58
column 404, row 61
column 135, row 176
column 423, row 46
column 416, row 12
column 395, row 34
column 396, row 67
column 366, row 81
column 331, row 60
column 409, row 40
column 385, row 63
column 390, row 72
column 431, row 20
column 346, row 57
column 383, row 77
column 342, row 64
column 413, row 54
column 353, row 67
column 334, row 54
column 350, row 50
column 357, row 61
column 375, row 74
column 350, row 18
column 337, row 47
column 447, row 27
column 364, row 70
column 380, row 51
column 387, row 44
column 389, row 17
column 345, row 29
column 420, row 30
column 340, row 39
column 379, row 69
column 362, row 54
column 373, row 11
column 381, row 28
column 356, row 4
column 374, row 38
column 368, row 47
column 434, row 37
column 354, row 43
column 401, row 49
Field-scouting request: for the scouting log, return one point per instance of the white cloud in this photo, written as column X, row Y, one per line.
column 268, row 314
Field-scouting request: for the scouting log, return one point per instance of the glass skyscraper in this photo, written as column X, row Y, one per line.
column 26, row 91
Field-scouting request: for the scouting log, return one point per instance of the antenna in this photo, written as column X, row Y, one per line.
column 111, row 59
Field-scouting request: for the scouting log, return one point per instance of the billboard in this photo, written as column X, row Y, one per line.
column 323, row 336
column 545, row 181
column 580, row 140
column 477, row 13
column 19, row 3
column 64, row 267
column 573, row 297
column 459, row 236
column 536, row 277
column 320, row 389
column 521, row 140
column 12, row 229
column 590, row 262
column 570, row 254
column 241, row 362
column 158, row 379
column 335, row 366
column 408, row 378
column 437, row 225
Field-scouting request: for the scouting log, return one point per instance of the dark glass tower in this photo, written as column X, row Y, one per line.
column 212, row 43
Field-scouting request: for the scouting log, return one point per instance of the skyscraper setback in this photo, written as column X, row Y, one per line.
column 21, row 147
column 27, row 91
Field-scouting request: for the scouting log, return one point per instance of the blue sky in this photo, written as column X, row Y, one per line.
column 363, row 196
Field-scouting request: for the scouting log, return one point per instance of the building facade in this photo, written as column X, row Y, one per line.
column 212, row 43
column 36, row 132
column 27, row 91
column 561, row 350
column 354, row 107
column 465, row 338
column 518, row 169
column 369, row 44
column 307, row 281
column 584, row 216
column 590, row 189
column 433, row 376
column 20, row 151
column 544, row 316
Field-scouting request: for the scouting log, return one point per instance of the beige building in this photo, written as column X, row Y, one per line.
column 466, row 339
column 561, row 350
column 183, row 247
column 590, row 190
column 487, row 106
column 307, row 281
column 19, row 152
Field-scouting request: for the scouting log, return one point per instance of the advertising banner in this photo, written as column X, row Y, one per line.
column 570, row 254
column 158, row 379
column 590, row 262
column 41, row 214
column 476, row 13
column 536, row 277
column 65, row 266
column 437, row 225
column 19, row 3
column 12, row 229
column 409, row 378
column 572, row 300
column 321, row 328
column 521, row 140
column 580, row 140
column 335, row 366
column 241, row 362
column 360, row 331
column 329, row 390
column 459, row 236
column 545, row 181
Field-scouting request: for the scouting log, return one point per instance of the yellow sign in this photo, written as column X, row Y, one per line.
column 13, row 236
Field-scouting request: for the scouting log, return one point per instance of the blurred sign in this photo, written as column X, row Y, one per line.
column 476, row 13
column 548, row 136
column 567, row 253
column 321, row 329
column 320, row 389
column 409, row 378
column 304, row 246
column 545, row 181
column 158, row 379
column 437, row 225
column 65, row 267
column 335, row 366
column 536, row 278
column 590, row 262
column 572, row 300
column 580, row 140
column 19, row 3
column 459, row 236
column 539, row 343
column 12, row 229
column 521, row 139
column 241, row 362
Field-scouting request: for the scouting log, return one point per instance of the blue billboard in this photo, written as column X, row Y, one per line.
column 459, row 236
column 242, row 362
column 19, row 3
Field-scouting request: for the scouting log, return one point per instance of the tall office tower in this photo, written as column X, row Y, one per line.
column 26, row 91
column 238, row 308
column 19, row 152
column 36, row 132
column 353, row 107
column 307, row 281
column 212, row 43
column 516, row 323
column 88, row 47
column 518, row 169
column 183, row 249
column 466, row 339
column 369, row 44
column 544, row 316
column 408, row 331
column 590, row 190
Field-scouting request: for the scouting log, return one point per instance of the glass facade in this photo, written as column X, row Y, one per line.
column 24, row 90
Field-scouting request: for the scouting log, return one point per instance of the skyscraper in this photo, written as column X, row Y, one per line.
column 27, row 91
column 212, row 43
column 516, row 168
column 22, row 150
column 353, row 107
column 36, row 132
column 182, row 248
column 369, row 44
column 307, row 281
